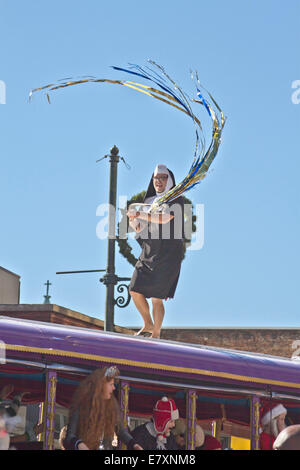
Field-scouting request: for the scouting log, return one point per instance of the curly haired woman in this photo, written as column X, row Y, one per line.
column 95, row 414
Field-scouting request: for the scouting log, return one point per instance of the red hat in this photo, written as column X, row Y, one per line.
column 211, row 443
column 270, row 411
column 165, row 410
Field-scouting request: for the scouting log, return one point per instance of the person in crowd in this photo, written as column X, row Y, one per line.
column 95, row 414
column 161, row 237
column 9, row 417
column 180, row 433
column 156, row 434
column 288, row 438
column 272, row 419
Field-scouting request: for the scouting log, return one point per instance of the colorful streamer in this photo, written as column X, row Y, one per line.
column 170, row 93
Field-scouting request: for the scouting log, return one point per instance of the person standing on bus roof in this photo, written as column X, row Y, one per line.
column 161, row 237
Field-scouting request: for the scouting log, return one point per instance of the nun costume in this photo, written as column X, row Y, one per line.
column 161, row 238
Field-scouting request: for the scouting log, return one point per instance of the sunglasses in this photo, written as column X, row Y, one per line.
column 160, row 178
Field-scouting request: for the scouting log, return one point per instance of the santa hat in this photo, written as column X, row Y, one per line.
column 211, row 443
column 270, row 411
column 165, row 410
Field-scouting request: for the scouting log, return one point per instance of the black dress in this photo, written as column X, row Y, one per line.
column 157, row 270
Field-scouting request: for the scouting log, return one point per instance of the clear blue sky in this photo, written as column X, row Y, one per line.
column 247, row 55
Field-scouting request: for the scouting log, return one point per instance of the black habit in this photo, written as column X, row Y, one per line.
column 157, row 270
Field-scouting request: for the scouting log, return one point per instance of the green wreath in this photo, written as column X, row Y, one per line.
column 124, row 247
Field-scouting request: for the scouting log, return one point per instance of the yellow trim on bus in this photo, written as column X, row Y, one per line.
column 149, row 365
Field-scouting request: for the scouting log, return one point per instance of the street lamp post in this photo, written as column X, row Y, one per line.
column 110, row 279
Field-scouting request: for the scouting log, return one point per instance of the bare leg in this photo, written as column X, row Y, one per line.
column 143, row 308
column 158, row 316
